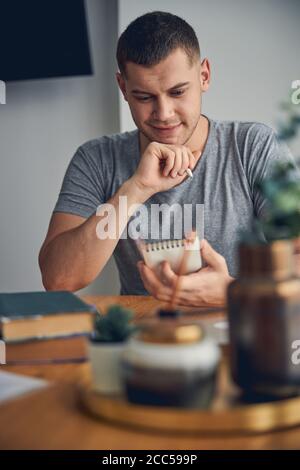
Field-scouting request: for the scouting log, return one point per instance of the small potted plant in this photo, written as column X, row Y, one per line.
column 106, row 344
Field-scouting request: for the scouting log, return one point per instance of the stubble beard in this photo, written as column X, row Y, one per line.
column 151, row 139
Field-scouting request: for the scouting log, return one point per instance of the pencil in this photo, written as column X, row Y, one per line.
column 173, row 302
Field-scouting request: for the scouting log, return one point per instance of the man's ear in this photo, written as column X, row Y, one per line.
column 122, row 85
column 205, row 75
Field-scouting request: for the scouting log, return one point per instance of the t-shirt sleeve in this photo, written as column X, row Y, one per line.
column 82, row 190
column 263, row 152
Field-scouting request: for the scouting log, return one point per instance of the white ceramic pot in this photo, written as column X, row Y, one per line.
column 105, row 364
column 170, row 363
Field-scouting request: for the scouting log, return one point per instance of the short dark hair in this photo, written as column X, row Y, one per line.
column 150, row 38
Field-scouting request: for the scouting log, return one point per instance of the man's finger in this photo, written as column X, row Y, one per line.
column 151, row 281
column 185, row 161
column 147, row 284
column 177, row 162
column 212, row 257
column 169, row 160
column 168, row 277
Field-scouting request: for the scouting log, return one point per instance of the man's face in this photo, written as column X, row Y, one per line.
column 165, row 100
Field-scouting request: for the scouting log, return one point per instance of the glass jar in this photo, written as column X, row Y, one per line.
column 264, row 320
column 170, row 363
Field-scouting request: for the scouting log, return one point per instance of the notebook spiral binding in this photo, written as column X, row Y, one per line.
column 163, row 245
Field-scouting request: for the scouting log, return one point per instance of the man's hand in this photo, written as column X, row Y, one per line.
column 206, row 287
column 163, row 166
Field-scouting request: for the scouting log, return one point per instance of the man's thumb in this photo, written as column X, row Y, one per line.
column 210, row 256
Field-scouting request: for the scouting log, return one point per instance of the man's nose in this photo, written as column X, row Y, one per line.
column 163, row 109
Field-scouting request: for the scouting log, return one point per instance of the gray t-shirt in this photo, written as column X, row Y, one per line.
column 235, row 157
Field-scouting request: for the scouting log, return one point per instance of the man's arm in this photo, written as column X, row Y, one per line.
column 72, row 255
column 263, row 152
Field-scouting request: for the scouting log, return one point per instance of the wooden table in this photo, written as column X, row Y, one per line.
column 52, row 419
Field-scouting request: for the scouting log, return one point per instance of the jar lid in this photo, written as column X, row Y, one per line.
column 172, row 347
column 171, row 332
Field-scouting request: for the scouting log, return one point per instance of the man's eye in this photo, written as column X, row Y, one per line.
column 177, row 92
column 144, row 98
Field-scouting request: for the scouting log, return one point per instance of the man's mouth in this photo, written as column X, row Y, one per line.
column 166, row 129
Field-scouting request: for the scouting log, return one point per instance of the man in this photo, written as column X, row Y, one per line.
column 162, row 77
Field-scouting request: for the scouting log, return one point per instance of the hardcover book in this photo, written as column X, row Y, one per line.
column 35, row 315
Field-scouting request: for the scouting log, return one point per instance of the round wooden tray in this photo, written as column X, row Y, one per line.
column 227, row 413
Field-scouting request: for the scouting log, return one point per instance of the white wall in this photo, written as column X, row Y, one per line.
column 42, row 124
column 253, row 47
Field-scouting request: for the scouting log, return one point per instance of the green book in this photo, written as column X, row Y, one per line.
column 35, row 315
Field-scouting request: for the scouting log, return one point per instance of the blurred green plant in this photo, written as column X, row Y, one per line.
column 281, row 189
column 288, row 129
column 282, row 193
column 114, row 327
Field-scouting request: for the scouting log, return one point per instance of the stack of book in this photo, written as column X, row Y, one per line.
column 45, row 326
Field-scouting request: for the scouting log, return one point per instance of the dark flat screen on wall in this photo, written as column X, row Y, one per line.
column 43, row 39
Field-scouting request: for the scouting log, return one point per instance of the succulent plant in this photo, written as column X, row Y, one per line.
column 114, row 327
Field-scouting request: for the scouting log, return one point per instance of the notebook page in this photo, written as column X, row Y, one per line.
column 164, row 251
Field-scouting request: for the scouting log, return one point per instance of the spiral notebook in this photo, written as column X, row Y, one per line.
column 172, row 251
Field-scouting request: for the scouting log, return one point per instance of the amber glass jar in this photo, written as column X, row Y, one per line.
column 264, row 319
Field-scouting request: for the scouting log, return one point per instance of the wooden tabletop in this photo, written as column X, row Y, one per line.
column 52, row 419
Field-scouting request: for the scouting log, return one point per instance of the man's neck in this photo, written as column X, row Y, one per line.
column 199, row 137
column 196, row 142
